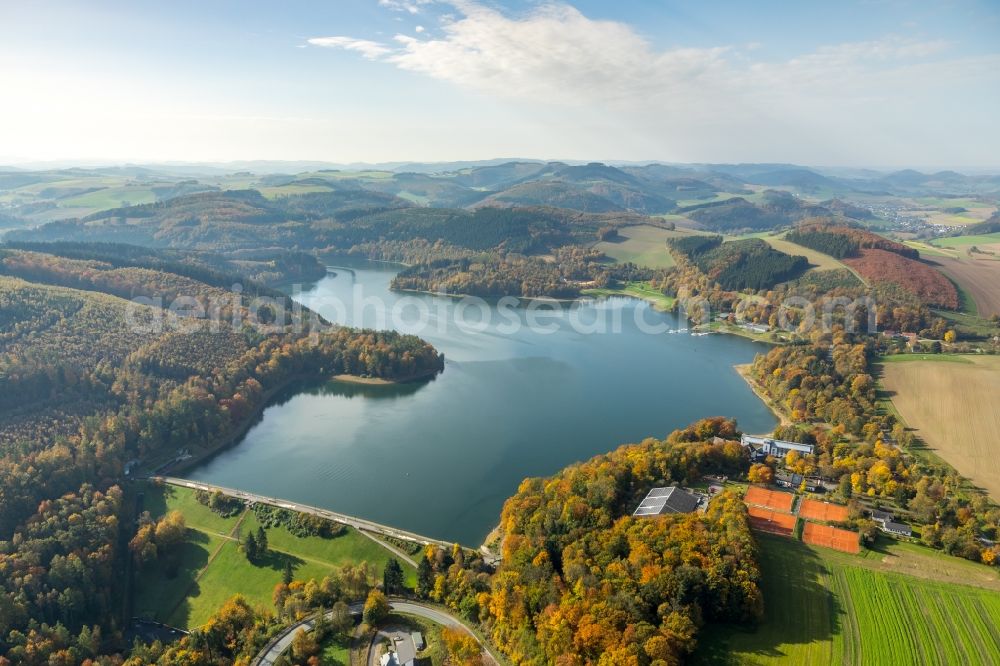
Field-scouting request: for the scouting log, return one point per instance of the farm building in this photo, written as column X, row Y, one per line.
column 662, row 501
column 766, row 446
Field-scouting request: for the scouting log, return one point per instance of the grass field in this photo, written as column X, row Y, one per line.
column 112, row 197
column 824, row 607
column 291, row 190
column 210, row 567
column 640, row 290
column 335, row 652
column 959, row 241
column 953, row 407
column 643, row 244
column 817, row 260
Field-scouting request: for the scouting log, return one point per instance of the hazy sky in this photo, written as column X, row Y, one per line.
column 867, row 82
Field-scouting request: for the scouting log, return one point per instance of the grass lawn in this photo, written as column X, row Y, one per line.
column 351, row 547
column 159, row 500
column 335, row 652
column 158, row 593
column 824, row 607
column 231, row 573
column 209, row 567
column 640, row 290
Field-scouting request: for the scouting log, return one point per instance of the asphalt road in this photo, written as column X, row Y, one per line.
column 283, row 641
column 357, row 523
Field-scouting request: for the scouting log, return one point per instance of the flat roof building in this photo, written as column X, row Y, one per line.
column 766, row 446
column 662, row 501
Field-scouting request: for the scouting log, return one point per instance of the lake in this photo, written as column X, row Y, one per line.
column 440, row 457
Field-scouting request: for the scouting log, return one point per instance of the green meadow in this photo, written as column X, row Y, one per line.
column 825, row 607
column 209, row 567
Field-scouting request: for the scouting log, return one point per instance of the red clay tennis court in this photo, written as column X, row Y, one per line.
column 823, row 511
column 772, row 499
column 774, row 522
column 831, row 537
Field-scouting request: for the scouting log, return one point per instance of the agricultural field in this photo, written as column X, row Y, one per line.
column 292, row 189
column 961, row 421
column 818, row 261
column 936, row 210
column 209, row 566
column 825, row 607
column 643, row 244
column 962, row 241
column 979, row 276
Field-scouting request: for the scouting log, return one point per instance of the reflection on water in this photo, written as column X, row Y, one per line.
column 440, row 457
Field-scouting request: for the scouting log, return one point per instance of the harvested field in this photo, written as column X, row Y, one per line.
column 770, row 521
column 822, row 511
column 979, row 275
column 955, row 409
column 772, row 499
column 831, row 537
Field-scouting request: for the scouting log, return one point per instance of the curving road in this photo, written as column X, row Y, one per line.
column 280, row 643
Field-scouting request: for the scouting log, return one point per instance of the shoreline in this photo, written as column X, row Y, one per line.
column 660, row 303
column 241, row 430
column 743, row 369
column 233, row 437
column 379, row 381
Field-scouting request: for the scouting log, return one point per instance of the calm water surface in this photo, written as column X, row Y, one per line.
column 440, row 457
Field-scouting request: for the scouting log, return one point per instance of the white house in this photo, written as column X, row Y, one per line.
column 766, row 446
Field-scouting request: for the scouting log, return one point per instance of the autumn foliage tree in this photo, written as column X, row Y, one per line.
column 760, row 473
column 582, row 581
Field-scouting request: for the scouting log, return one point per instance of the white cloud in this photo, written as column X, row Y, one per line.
column 367, row 48
column 730, row 102
column 410, row 6
column 555, row 54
